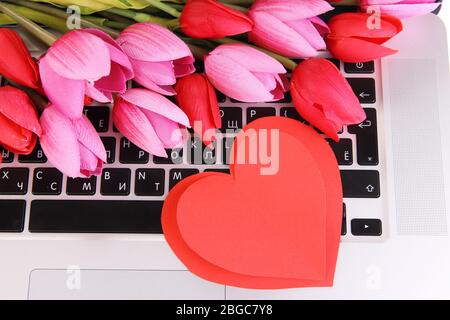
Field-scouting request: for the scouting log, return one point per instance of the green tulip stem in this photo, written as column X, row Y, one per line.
column 288, row 63
column 236, row 7
column 63, row 15
column 139, row 16
column 242, row 3
column 164, row 7
column 31, row 27
column 198, row 52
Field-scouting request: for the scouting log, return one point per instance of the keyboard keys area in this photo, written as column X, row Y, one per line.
column 129, row 194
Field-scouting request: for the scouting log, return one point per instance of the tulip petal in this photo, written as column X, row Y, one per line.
column 156, row 76
column 168, row 131
column 79, row 55
column 116, row 81
column 356, row 50
column 212, row 19
column 286, row 10
column 151, row 42
column 184, row 66
column 15, row 138
column 88, row 137
column 308, row 31
column 17, row 106
column 116, row 53
column 66, row 94
column 251, row 58
column 98, row 95
column 16, row 62
column 224, row 74
column 156, row 103
column 275, row 35
column 89, row 163
column 134, row 125
column 59, row 142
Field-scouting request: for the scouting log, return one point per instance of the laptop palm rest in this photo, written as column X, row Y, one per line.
column 74, row 283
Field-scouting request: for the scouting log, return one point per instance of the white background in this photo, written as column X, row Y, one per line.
column 445, row 16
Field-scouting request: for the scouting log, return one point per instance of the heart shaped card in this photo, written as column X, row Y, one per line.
column 262, row 226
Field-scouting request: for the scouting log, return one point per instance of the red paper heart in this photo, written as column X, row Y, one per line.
column 225, row 233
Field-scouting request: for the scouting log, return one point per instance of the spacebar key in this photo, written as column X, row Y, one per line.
column 95, row 216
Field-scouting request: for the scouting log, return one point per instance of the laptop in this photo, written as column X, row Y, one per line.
column 100, row 238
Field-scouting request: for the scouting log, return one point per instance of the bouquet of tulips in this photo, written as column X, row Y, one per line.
column 247, row 48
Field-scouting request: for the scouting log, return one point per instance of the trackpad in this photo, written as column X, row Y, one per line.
column 120, row 284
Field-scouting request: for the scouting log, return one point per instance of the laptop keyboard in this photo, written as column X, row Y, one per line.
column 128, row 196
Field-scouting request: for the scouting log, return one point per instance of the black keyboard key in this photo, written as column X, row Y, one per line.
column 36, row 156
column 360, row 183
column 336, row 62
column 231, row 119
column 343, row 151
column 291, row 113
column 110, row 147
column 174, row 156
column 47, row 181
column 364, row 89
column 95, row 216
column 366, row 227
column 13, row 181
column 344, row 220
column 12, row 215
column 360, row 67
column 99, row 117
column 287, row 98
column 81, row 186
column 259, row 112
column 199, row 153
column 115, row 182
column 227, row 144
column 220, row 97
column 149, row 182
column 227, row 171
column 130, row 153
column 6, row 155
column 366, row 139
column 176, row 175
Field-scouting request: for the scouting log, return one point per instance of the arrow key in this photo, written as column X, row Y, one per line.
column 364, row 89
column 366, row 227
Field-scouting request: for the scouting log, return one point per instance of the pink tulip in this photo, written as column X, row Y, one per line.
column 149, row 120
column 289, row 27
column 246, row 74
column 83, row 62
column 158, row 56
column 71, row 145
column 400, row 8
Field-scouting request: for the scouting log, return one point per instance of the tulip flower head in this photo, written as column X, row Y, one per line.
column 83, row 62
column 212, row 19
column 351, row 39
column 19, row 125
column 16, row 63
column 149, row 120
column 246, row 74
column 158, row 56
column 400, row 9
column 324, row 98
column 71, row 145
column 197, row 98
column 289, row 27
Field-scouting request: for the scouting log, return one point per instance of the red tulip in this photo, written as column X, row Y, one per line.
column 324, row 98
column 16, row 63
column 358, row 37
column 211, row 19
column 19, row 125
column 197, row 98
